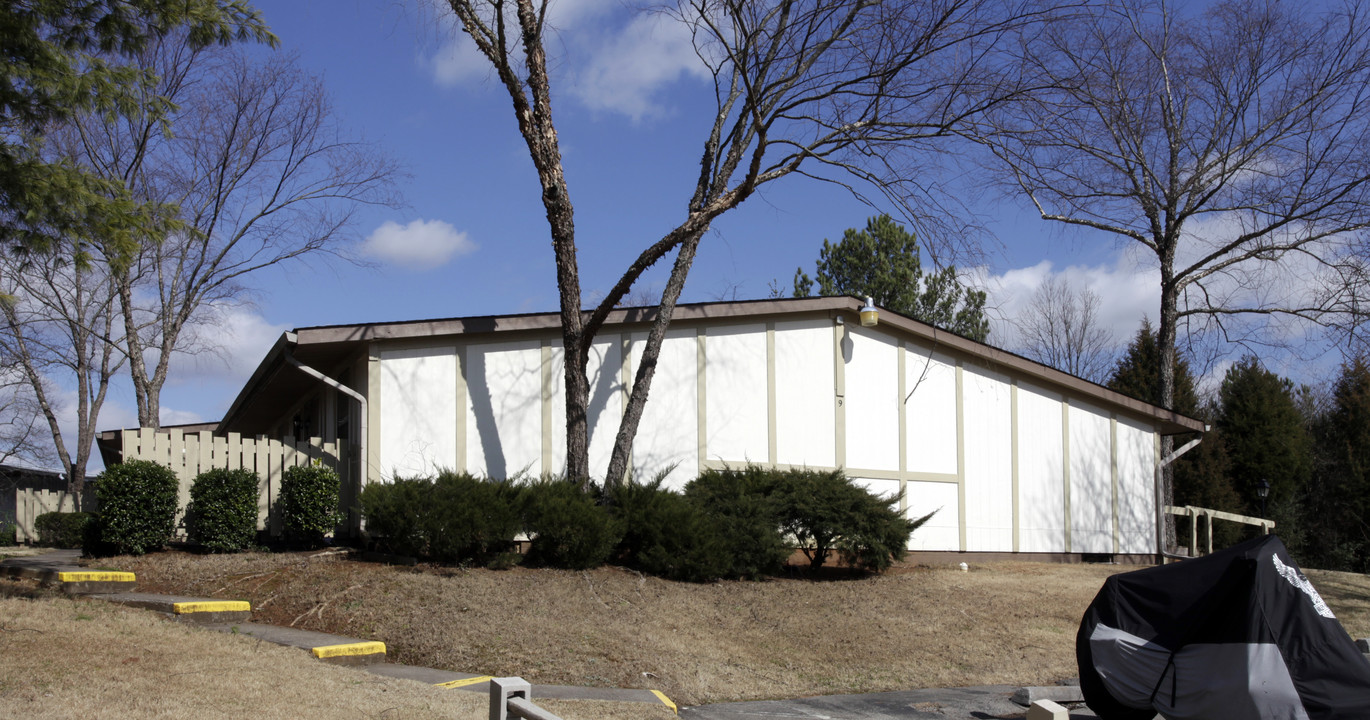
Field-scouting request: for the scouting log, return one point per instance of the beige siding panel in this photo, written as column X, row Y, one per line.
column 872, row 376
column 989, row 461
column 736, row 394
column 1136, row 483
column 943, row 531
column 604, row 367
column 1091, row 480
column 669, row 433
column 1041, row 469
column 930, row 384
column 418, row 414
column 804, row 393
column 504, row 409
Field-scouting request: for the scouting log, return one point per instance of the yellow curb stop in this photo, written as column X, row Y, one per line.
column 349, row 650
column 182, row 608
column 466, row 681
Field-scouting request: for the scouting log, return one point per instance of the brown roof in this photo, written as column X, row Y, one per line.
column 276, row 384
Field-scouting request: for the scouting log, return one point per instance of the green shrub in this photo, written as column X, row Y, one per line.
column 60, row 529
column 826, row 513
column 568, row 528
column 742, row 504
column 394, row 513
column 222, row 515
column 9, row 530
column 453, row 518
column 309, row 504
column 137, row 502
column 472, row 519
column 668, row 536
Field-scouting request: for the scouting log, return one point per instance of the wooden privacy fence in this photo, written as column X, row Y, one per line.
column 189, row 454
column 1194, row 513
column 30, row 502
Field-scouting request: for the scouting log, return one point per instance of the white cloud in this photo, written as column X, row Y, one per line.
column 1126, row 294
column 422, row 244
column 225, row 345
column 605, row 57
column 630, row 69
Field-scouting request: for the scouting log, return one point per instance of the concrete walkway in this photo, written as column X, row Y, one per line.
column 991, row 701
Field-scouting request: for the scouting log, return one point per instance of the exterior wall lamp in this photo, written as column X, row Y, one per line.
column 870, row 316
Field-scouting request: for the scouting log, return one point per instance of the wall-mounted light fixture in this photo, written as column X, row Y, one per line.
column 870, row 316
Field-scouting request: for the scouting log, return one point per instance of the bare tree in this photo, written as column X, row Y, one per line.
column 20, row 416
column 61, row 331
column 254, row 171
column 1229, row 142
column 1061, row 328
column 833, row 89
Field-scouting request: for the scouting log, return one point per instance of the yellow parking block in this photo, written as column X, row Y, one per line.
column 182, row 608
column 350, row 650
column 95, row 576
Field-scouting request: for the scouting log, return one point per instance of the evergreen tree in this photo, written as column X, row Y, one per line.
column 1200, row 477
column 1264, row 433
column 883, row 262
column 1137, row 373
column 60, row 58
column 1337, row 498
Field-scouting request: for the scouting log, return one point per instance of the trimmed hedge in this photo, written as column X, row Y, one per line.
column 60, row 529
column 568, row 527
column 749, row 518
column 222, row 515
column 137, row 502
column 455, row 517
column 309, row 504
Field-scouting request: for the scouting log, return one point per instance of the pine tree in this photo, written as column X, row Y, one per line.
column 883, row 262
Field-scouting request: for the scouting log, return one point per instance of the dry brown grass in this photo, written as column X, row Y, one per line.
column 1001, row 623
column 64, row 659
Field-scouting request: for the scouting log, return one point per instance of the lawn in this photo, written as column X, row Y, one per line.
column 1000, row 623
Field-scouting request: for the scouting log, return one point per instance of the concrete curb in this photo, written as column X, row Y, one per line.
column 203, row 611
column 329, row 648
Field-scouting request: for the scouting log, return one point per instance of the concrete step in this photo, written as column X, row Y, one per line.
column 202, row 611
column 329, row 648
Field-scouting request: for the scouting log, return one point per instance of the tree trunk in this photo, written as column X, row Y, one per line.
column 1165, row 386
column 646, row 369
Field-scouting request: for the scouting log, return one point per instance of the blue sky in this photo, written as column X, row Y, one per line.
column 472, row 239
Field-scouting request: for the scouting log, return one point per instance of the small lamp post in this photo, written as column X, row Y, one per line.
column 1262, row 492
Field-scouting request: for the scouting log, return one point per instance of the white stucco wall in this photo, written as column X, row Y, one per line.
column 931, row 411
column 736, row 390
column 958, row 415
column 1136, row 487
column 1091, row 480
column 1041, row 471
column 872, row 401
column 504, row 409
column 668, row 437
column 804, row 393
column 989, row 460
column 418, row 411
column 943, row 531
